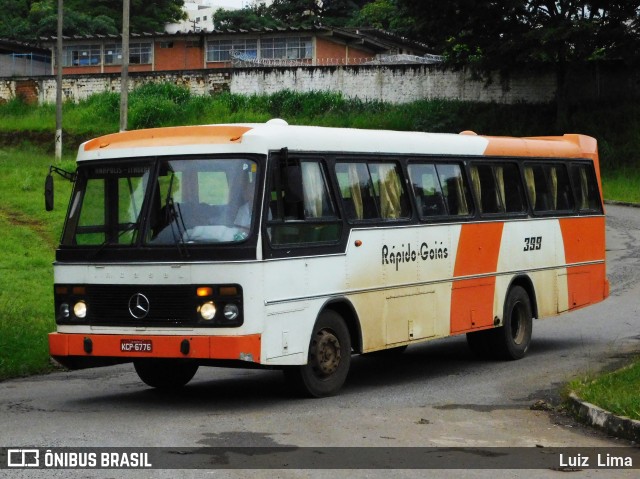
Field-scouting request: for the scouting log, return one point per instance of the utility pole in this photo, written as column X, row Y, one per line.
column 124, row 80
column 58, row 149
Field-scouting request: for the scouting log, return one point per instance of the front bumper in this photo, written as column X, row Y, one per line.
column 78, row 351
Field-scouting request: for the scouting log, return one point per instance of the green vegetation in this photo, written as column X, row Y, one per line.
column 153, row 105
column 616, row 392
column 29, row 234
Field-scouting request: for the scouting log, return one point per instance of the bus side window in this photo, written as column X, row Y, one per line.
column 356, row 191
column 548, row 187
column 497, row 188
column 454, row 189
column 586, row 189
column 485, row 188
column 427, row 191
column 308, row 213
column 372, row 191
column 508, row 178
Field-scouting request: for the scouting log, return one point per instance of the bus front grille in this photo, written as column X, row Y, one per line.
column 141, row 304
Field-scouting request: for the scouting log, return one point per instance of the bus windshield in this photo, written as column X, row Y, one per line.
column 162, row 202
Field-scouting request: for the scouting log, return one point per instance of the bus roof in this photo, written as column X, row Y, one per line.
column 277, row 134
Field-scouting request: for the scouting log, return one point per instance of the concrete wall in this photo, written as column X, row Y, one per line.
column 395, row 84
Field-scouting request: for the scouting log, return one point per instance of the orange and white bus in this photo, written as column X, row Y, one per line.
column 294, row 247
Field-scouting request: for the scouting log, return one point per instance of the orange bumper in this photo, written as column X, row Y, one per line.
column 117, row 346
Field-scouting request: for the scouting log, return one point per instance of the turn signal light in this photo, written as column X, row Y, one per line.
column 204, row 292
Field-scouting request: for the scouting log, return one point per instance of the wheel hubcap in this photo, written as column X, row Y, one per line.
column 325, row 353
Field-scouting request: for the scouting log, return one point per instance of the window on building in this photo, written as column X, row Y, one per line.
column 139, row 53
column 220, row 50
column 112, row 54
column 288, row 48
column 81, row 55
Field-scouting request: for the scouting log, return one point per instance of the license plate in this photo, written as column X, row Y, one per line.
column 136, row 346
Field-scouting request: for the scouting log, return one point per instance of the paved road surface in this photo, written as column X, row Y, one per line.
column 436, row 394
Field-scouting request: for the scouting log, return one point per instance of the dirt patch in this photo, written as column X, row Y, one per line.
column 16, row 218
column 41, row 139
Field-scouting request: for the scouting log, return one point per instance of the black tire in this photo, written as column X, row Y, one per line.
column 165, row 373
column 514, row 336
column 328, row 361
column 512, row 339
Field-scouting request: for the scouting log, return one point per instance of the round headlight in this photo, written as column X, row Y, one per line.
column 64, row 311
column 231, row 312
column 208, row 310
column 80, row 310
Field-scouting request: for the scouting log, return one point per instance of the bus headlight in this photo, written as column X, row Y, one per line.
column 231, row 312
column 64, row 312
column 80, row 310
column 208, row 310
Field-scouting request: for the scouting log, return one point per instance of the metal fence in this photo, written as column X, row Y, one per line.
column 25, row 64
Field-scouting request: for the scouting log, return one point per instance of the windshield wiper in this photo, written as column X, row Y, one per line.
column 175, row 217
column 126, row 228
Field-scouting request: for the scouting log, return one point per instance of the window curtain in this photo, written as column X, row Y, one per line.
column 313, row 189
column 501, row 192
column 531, row 184
column 584, row 189
column 354, row 187
column 475, row 180
column 390, row 191
column 553, row 176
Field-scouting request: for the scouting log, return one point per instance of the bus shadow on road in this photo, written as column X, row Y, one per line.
column 228, row 389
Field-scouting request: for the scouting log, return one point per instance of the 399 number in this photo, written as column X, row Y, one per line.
column 533, row 243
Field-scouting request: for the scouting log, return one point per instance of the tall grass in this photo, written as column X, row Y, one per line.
column 27, row 242
column 616, row 126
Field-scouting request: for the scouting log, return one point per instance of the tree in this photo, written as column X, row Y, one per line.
column 384, row 15
column 500, row 35
column 248, row 18
column 28, row 20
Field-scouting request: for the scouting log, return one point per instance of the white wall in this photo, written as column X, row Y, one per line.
column 394, row 84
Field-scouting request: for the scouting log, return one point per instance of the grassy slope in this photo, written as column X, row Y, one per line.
column 27, row 242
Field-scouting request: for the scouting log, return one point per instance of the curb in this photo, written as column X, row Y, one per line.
column 618, row 426
column 621, row 203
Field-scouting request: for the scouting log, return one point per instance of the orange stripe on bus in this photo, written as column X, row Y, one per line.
column 200, row 347
column 173, row 136
column 472, row 299
column 584, row 240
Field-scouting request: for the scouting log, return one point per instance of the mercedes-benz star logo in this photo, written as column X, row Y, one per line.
column 139, row 306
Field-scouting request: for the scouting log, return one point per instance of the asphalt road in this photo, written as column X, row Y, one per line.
column 434, row 395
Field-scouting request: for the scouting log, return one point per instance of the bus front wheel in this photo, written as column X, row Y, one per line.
column 328, row 361
column 165, row 373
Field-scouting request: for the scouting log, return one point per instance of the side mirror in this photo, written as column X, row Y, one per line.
column 48, row 192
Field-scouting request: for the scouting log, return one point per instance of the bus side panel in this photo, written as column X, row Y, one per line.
column 472, row 301
column 584, row 241
column 533, row 248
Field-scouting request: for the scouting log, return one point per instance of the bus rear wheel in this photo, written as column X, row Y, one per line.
column 165, row 373
column 328, row 361
column 512, row 339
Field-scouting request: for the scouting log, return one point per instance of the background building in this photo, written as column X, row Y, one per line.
column 304, row 46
